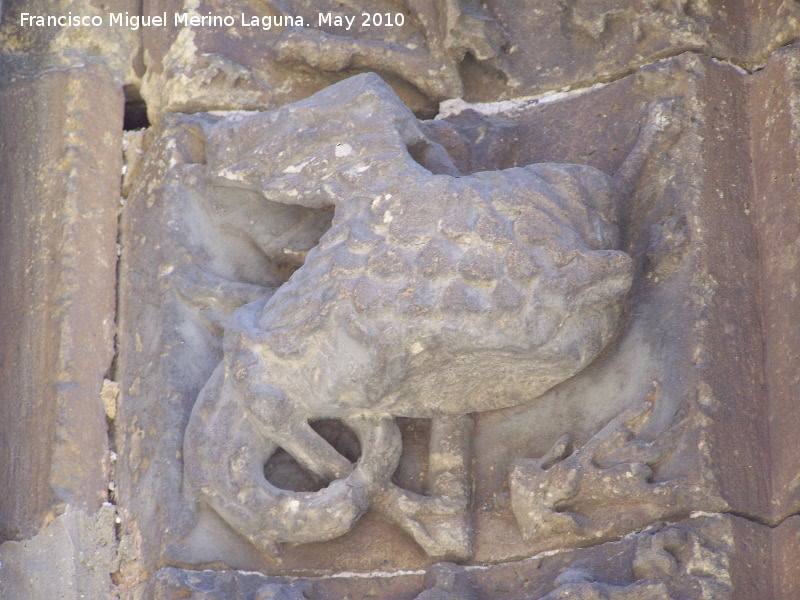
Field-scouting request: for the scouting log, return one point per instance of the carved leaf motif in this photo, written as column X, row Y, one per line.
column 689, row 560
column 689, row 19
column 571, row 495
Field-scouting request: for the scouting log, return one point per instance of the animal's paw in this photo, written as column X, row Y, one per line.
column 397, row 501
column 441, row 525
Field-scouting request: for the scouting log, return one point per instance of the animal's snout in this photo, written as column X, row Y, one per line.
column 600, row 276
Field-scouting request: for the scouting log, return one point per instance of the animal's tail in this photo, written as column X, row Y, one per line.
column 224, row 458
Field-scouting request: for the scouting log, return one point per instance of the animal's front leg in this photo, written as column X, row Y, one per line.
column 239, row 420
column 225, row 453
column 279, row 418
column 439, row 522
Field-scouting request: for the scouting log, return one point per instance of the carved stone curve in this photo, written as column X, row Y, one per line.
column 433, row 295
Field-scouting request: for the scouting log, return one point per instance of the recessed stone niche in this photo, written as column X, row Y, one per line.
column 637, row 441
column 540, row 346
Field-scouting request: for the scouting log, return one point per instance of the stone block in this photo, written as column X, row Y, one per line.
column 289, row 53
column 490, row 52
column 668, row 421
column 60, row 165
column 686, row 230
column 774, row 94
column 605, row 40
column 73, row 557
column 706, row 556
column 785, row 563
column 28, row 49
column 255, row 245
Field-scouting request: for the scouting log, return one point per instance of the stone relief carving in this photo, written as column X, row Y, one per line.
column 448, row 30
column 692, row 18
column 685, row 560
column 422, row 46
column 432, row 295
column 620, row 466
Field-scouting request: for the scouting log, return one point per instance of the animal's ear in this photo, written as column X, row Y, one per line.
column 599, row 276
column 346, row 140
column 660, row 130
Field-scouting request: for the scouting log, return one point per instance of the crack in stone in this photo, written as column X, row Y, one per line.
column 454, row 106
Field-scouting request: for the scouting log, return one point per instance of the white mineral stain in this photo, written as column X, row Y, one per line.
column 343, row 149
column 296, row 168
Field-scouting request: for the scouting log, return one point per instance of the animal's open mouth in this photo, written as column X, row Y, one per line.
column 242, row 237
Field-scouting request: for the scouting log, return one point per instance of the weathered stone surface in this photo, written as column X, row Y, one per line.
column 419, row 342
column 189, row 267
column 476, row 142
column 673, row 325
column 60, row 194
column 191, row 284
column 785, row 559
column 663, row 230
column 447, row 581
column 169, row 583
column 204, row 68
column 686, row 414
column 776, row 168
column 73, row 557
column 691, row 235
column 727, row 349
column 769, row 25
column 602, row 489
column 706, row 556
column 444, row 49
column 27, row 49
column 582, row 42
column 709, row 556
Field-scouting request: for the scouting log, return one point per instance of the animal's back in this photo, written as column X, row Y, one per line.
column 508, row 278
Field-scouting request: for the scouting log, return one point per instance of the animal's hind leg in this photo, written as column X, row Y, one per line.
column 312, row 451
column 224, row 456
column 450, row 457
column 439, row 522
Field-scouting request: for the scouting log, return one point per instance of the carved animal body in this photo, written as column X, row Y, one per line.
column 431, row 295
column 464, row 295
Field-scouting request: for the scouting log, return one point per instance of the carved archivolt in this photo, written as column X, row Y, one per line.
column 447, row 30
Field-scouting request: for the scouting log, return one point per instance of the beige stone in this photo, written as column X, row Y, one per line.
column 73, row 557
column 503, row 50
column 621, row 482
column 680, row 353
column 774, row 97
column 29, row 49
column 605, row 40
column 61, row 160
column 205, row 68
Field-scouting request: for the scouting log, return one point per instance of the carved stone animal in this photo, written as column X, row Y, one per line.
column 432, row 295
